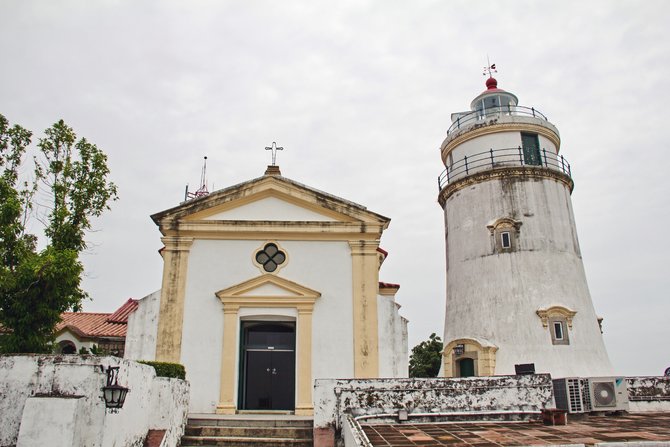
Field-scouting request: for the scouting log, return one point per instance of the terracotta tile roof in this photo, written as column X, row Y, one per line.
column 388, row 285
column 121, row 314
column 91, row 324
column 631, row 429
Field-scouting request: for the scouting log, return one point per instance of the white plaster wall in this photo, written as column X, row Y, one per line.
column 495, row 296
column 50, row 421
column 215, row 265
column 270, row 208
column 393, row 360
column 170, row 397
column 63, row 377
column 142, row 328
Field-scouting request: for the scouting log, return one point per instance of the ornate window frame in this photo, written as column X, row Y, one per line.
column 504, row 225
column 554, row 315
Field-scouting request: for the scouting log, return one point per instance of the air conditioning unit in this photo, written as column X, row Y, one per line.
column 605, row 394
column 568, row 394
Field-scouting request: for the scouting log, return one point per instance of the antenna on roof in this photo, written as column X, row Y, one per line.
column 202, row 191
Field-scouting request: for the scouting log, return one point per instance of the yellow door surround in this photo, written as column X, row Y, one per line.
column 290, row 295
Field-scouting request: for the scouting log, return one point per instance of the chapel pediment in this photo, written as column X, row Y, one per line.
column 271, row 203
column 268, row 291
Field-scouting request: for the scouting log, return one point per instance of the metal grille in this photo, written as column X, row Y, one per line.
column 568, row 395
column 586, row 394
column 574, row 396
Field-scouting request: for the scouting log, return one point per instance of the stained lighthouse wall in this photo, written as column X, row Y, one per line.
column 502, row 292
column 516, row 287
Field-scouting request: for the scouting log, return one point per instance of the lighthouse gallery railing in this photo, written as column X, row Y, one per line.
column 466, row 119
column 515, row 156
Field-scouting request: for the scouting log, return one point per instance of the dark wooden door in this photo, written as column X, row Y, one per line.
column 466, row 367
column 268, row 367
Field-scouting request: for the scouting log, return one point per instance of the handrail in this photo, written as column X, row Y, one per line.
column 481, row 115
column 498, row 158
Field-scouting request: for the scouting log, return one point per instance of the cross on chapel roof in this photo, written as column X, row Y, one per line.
column 273, row 169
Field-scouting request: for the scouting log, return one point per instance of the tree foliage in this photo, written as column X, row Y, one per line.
column 36, row 286
column 426, row 358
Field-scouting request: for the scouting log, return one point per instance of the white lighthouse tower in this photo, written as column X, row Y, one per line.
column 516, row 287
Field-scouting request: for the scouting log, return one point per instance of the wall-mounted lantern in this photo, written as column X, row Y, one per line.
column 113, row 393
column 459, row 350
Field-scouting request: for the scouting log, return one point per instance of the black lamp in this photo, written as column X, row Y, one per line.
column 459, row 349
column 114, row 394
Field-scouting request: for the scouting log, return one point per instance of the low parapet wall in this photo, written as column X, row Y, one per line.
column 336, row 398
column 647, row 394
column 59, row 398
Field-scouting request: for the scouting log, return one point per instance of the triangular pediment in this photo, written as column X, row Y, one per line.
column 268, row 291
column 268, row 285
column 268, row 206
column 270, row 198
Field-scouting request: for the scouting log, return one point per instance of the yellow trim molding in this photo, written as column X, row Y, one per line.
column 340, row 210
column 365, row 279
column 484, row 356
column 241, row 295
column 556, row 311
column 171, row 313
column 539, row 172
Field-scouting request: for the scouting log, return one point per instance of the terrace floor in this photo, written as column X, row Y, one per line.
column 648, row 427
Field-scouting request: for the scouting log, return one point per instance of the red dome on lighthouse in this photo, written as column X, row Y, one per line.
column 491, row 83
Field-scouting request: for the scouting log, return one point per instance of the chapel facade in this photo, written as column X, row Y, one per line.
column 268, row 285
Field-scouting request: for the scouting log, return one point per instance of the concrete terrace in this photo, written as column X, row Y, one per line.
column 651, row 429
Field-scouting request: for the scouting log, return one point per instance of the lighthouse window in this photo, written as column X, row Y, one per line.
column 558, row 334
column 558, row 330
column 504, row 234
column 505, row 240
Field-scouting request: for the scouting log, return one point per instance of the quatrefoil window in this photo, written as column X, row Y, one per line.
column 270, row 257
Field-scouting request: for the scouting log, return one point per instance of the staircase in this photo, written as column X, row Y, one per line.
column 248, row 430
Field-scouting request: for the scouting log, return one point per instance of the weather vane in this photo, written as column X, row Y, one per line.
column 490, row 68
column 274, row 150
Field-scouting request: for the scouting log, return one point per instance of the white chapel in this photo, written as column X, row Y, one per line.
column 268, row 285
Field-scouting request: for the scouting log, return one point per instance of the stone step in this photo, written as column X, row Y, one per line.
column 249, row 431
column 250, row 422
column 232, row 441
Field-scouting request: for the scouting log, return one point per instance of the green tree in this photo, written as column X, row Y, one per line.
column 36, row 286
column 426, row 358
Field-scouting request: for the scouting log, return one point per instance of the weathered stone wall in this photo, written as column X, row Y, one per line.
column 392, row 335
column 648, row 394
column 142, row 328
column 67, row 390
column 334, row 398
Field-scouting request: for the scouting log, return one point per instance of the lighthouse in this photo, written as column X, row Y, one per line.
column 517, row 295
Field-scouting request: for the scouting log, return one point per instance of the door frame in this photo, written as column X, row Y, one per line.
column 293, row 296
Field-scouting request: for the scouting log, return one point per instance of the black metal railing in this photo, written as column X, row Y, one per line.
column 498, row 158
column 481, row 115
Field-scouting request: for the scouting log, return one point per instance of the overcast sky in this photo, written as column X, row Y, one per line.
column 359, row 94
